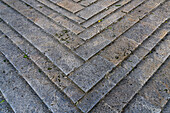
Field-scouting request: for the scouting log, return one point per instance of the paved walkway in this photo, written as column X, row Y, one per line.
column 73, row 56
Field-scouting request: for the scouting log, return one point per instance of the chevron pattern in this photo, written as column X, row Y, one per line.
column 73, row 56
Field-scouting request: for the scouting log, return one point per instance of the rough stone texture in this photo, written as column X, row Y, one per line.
column 90, row 11
column 18, row 93
column 154, row 95
column 4, row 106
column 71, row 6
column 91, row 72
column 40, row 83
column 61, row 11
column 45, row 65
column 85, row 55
column 101, row 15
column 87, row 2
column 166, row 109
column 120, row 49
column 45, row 43
column 91, row 48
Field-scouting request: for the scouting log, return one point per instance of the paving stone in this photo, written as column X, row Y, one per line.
column 145, row 8
column 18, row 93
column 130, row 62
column 120, row 72
column 118, row 50
column 93, row 97
column 90, row 11
column 92, row 47
column 153, row 95
column 63, row 35
column 105, row 13
column 61, row 11
column 166, row 108
column 76, row 0
column 75, row 28
column 54, row 73
column 87, row 2
column 1, row 33
column 4, row 106
column 52, row 48
column 71, row 6
column 119, row 95
column 123, row 92
column 40, row 83
column 120, row 27
column 142, row 50
column 132, row 5
column 163, row 51
column 98, row 27
column 139, row 32
column 91, row 72
column 143, row 106
column 153, row 41
column 146, row 69
column 43, row 42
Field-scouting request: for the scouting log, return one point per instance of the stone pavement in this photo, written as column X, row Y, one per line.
column 73, row 56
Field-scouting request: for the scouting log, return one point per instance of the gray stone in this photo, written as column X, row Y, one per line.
column 116, row 52
column 46, row 66
column 71, row 6
column 65, row 60
column 90, row 48
column 17, row 92
column 153, row 95
column 87, row 2
column 97, row 7
column 141, row 52
column 121, row 94
column 163, row 50
column 145, row 69
column 140, row 104
column 166, row 109
column 40, row 83
column 139, row 32
column 91, row 72
column 95, row 95
column 132, row 5
column 56, row 9
column 1, row 33
column 98, row 27
column 130, row 62
column 103, row 108
column 103, row 14
column 4, row 106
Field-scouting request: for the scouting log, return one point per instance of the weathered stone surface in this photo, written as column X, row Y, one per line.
column 118, row 50
column 60, row 10
column 154, row 95
column 89, row 49
column 166, row 109
column 4, row 106
column 54, row 73
column 105, row 13
column 91, row 72
column 71, row 6
column 87, row 2
column 81, row 60
column 40, row 83
column 136, row 79
column 90, row 11
column 18, row 93
column 41, row 40
column 143, row 106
